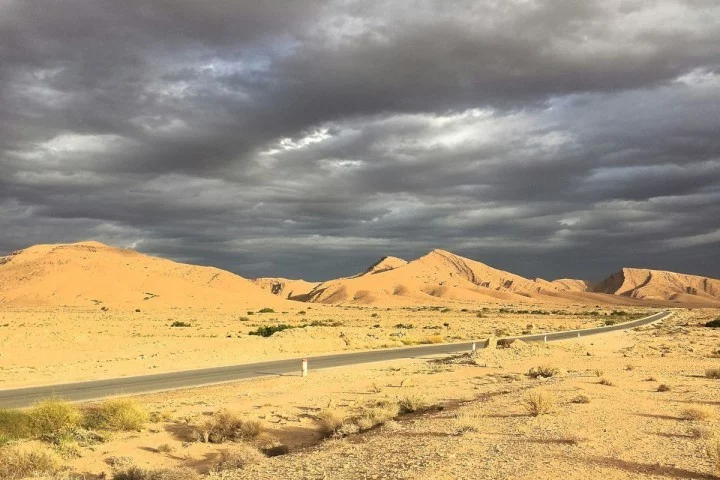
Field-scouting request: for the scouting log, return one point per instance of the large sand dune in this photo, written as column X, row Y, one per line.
column 661, row 285
column 90, row 273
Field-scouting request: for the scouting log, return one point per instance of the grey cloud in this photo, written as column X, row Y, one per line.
column 553, row 138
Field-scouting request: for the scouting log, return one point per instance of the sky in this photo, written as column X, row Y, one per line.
column 306, row 139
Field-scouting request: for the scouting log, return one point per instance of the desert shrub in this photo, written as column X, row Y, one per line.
column 598, row 372
column 238, row 458
column 17, row 463
column 406, row 326
column 712, row 373
column 53, row 420
column 179, row 324
column 697, row 413
column 137, row 473
column 543, row 371
column 223, row 426
column 115, row 415
column 713, row 323
column 664, row 387
column 266, row 310
column 610, row 322
column 607, row 382
column 269, row 330
column 165, row 448
column 14, row 425
column 580, row 399
column 539, row 402
column 330, row 421
column 432, row 339
column 411, row 403
column 701, row 431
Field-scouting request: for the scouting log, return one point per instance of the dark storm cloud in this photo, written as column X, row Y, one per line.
column 305, row 138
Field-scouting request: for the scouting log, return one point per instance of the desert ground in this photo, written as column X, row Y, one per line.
column 630, row 404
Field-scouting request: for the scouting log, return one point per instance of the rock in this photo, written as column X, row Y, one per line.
column 491, row 342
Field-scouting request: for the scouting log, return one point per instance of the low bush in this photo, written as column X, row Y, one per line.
column 543, row 371
column 137, row 473
column 269, row 330
column 697, row 413
column 18, row 463
column 580, row 399
column 115, row 415
column 266, row 310
column 14, row 425
column 179, row 324
column 54, row 420
column 411, row 403
column 607, row 382
column 539, row 402
column 433, row 339
column 223, row 426
column 238, row 458
column 713, row 323
column 664, row 387
column 712, row 373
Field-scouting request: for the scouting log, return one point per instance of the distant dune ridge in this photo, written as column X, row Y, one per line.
column 91, row 273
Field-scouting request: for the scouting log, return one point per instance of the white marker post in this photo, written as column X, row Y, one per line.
column 474, row 347
column 545, row 339
column 303, row 371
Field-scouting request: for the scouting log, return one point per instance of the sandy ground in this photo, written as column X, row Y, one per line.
column 627, row 430
column 57, row 345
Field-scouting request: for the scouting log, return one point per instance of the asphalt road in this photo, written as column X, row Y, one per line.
column 91, row 390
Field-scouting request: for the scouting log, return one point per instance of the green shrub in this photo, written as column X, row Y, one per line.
column 115, row 415
column 53, row 420
column 178, row 323
column 14, row 425
column 269, row 330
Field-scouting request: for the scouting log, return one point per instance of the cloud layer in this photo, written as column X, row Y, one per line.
column 307, row 138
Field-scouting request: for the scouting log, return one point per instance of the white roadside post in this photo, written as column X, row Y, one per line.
column 303, row 371
column 545, row 339
column 474, row 347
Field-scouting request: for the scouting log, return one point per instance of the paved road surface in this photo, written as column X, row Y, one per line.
column 95, row 389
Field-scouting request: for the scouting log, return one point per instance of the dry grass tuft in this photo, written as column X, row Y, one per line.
column 17, row 463
column 432, row 339
column 712, row 373
column 664, row 387
column 543, row 371
column 580, row 399
column 702, row 432
column 539, row 402
column 54, row 420
column 137, row 473
column 224, row 426
column 607, row 382
column 697, row 413
column 412, row 403
column 239, row 457
column 330, row 421
column 115, row 415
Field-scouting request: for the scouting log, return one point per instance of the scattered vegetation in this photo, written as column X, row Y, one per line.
column 543, row 371
column 712, row 373
column 539, row 402
column 336, row 423
column 224, row 426
column 239, row 457
column 407, row 326
column 269, row 330
column 180, row 324
column 18, row 463
column 137, row 473
column 266, row 310
column 115, row 415
column 580, row 399
column 698, row 413
column 54, row 420
column 607, row 382
column 412, row 403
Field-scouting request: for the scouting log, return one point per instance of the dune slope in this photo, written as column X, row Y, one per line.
column 91, row 273
column 660, row 285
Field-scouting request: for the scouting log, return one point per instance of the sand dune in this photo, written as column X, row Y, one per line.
column 93, row 274
column 660, row 285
